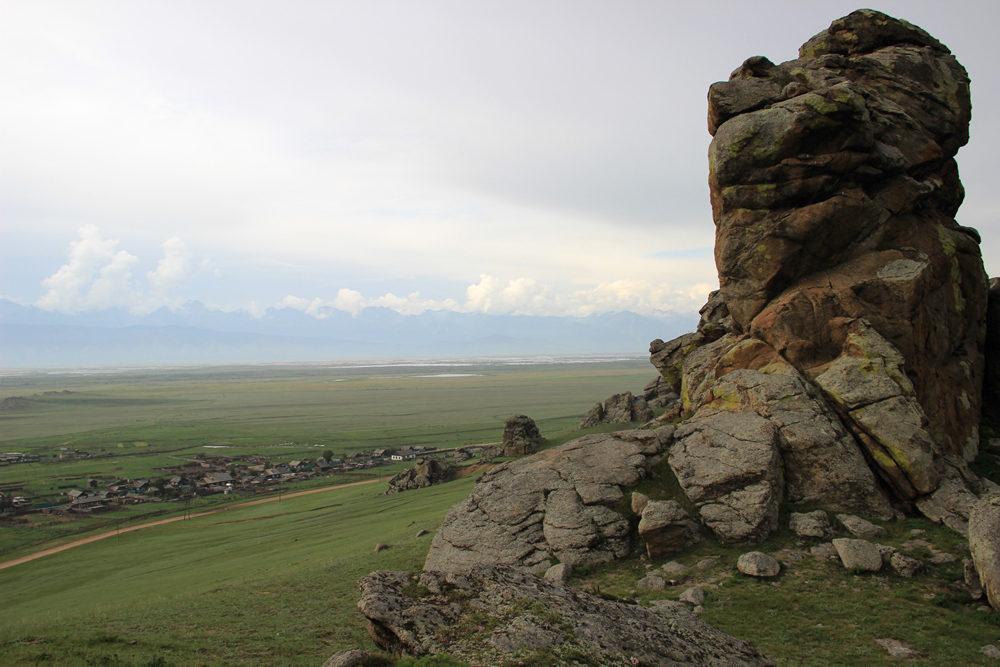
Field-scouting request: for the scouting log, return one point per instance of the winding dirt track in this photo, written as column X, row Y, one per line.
column 112, row 533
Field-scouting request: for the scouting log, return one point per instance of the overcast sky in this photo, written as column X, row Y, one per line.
column 538, row 157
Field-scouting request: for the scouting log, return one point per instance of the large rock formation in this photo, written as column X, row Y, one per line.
column 438, row 613
column 562, row 503
column 520, row 436
column 618, row 409
column 425, row 472
column 841, row 361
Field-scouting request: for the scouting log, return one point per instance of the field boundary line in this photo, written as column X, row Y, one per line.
column 160, row 522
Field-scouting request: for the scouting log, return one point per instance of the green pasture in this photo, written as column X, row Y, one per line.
column 269, row 584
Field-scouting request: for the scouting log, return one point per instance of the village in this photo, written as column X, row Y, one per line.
column 205, row 476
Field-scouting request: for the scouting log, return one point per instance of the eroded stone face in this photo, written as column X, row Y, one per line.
column 557, row 504
column 834, row 190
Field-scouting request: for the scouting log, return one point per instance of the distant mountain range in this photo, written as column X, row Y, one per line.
column 30, row 337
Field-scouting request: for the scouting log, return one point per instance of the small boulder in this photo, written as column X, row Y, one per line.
column 693, row 596
column 352, row 658
column 421, row 533
column 639, row 502
column 905, row 566
column 559, row 573
column 984, row 542
column 990, row 651
column 673, row 567
column 666, row 528
column 823, row 551
column 520, row 436
column 758, row 564
column 381, row 547
column 811, row 524
column 858, row 527
column 651, row 582
column 897, row 649
column 858, row 554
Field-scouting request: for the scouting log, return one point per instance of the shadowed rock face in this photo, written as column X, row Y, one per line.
column 834, row 190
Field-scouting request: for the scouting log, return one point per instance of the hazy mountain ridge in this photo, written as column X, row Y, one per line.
column 194, row 333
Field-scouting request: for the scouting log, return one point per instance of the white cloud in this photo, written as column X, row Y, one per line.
column 524, row 296
column 96, row 277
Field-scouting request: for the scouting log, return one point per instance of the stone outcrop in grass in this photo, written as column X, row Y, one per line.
column 618, row 409
column 490, row 613
column 520, row 436
column 564, row 503
column 425, row 472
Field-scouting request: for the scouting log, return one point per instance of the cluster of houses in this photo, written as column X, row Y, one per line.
column 218, row 474
column 10, row 458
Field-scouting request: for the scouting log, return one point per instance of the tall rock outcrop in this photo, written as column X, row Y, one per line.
column 847, row 336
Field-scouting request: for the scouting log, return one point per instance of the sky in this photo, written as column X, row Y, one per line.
column 541, row 157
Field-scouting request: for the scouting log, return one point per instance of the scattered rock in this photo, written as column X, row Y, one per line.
column 559, row 573
column 353, row 658
column 380, row 547
column 858, row 554
column 824, row 551
column 897, row 649
column 527, row 612
column 425, row 472
column 811, row 524
column 651, row 582
column 693, row 596
column 941, row 558
column 984, row 542
column 707, row 563
column 421, row 533
column 461, row 455
column 990, row 651
column 638, row 502
column 666, row 528
column 520, row 436
column 673, row 567
column 860, row 528
column 758, row 564
column 905, row 566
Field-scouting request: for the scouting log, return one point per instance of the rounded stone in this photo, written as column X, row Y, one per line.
column 758, row 564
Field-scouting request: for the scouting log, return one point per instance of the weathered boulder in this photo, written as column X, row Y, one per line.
column 520, row 436
column 461, row 455
column 353, row 658
column 729, row 466
column 666, row 528
column 758, row 564
column 811, row 524
column 526, row 613
column 559, row 503
column 858, row 554
column 694, row 596
column 425, row 472
column 984, row 543
column 859, row 527
column 618, row 409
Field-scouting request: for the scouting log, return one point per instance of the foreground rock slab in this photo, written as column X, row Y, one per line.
column 525, row 613
column 984, row 542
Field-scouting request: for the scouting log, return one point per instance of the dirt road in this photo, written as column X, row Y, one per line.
column 112, row 533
